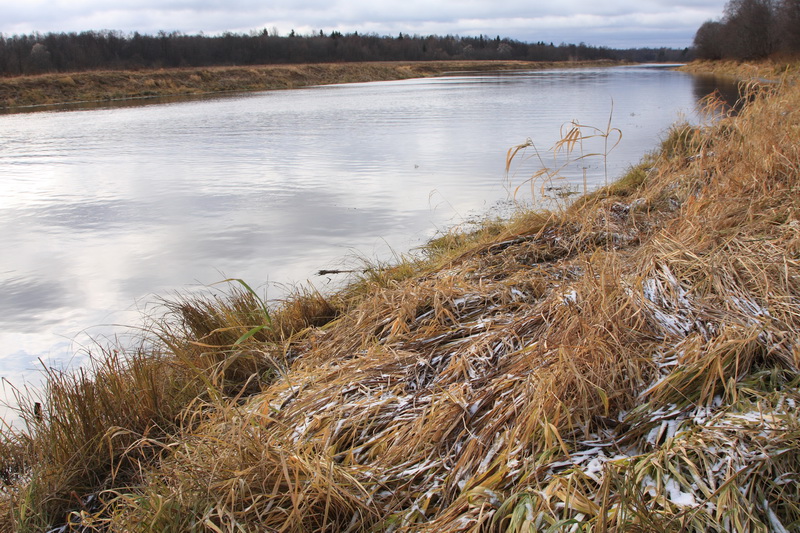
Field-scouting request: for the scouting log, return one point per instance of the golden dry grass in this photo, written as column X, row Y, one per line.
column 629, row 363
column 26, row 93
column 744, row 70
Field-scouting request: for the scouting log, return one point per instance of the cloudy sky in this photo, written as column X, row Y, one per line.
column 613, row 23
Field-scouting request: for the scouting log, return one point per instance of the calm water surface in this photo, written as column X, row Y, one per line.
column 101, row 210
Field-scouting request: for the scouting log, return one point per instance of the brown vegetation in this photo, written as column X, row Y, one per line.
column 102, row 86
column 38, row 53
column 744, row 70
column 751, row 30
column 629, row 363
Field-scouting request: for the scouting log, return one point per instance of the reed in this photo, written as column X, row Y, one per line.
column 628, row 362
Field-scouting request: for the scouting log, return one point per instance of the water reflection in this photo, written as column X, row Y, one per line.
column 726, row 91
column 102, row 209
column 24, row 299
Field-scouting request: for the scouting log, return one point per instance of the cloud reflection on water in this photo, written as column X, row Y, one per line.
column 105, row 209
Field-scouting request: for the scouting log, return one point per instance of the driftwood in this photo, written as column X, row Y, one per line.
column 336, row 271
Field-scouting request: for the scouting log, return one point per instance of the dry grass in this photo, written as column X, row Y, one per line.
column 29, row 93
column 742, row 70
column 628, row 363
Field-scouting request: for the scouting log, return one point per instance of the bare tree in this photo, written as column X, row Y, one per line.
column 708, row 40
column 788, row 17
column 749, row 31
column 39, row 59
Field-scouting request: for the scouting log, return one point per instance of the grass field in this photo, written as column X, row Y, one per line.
column 628, row 362
column 28, row 93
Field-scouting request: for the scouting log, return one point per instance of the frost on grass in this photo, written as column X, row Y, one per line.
column 602, row 367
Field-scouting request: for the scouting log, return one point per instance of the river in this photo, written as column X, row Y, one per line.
column 104, row 210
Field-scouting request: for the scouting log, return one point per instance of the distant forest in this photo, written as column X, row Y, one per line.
column 97, row 50
column 751, row 29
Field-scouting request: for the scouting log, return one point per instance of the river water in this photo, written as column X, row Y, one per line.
column 104, row 210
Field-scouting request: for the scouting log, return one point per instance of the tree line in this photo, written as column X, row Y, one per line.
column 95, row 50
column 751, row 29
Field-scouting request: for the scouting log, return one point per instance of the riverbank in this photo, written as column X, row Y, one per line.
column 628, row 362
column 760, row 70
column 32, row 92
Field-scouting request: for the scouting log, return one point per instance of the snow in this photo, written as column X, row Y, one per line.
column 750, row 307
column 648, row 485
column 416, row 469
column 665, row 431
column 569, row 297
column 595, row 466
column 775, row 524
column 300, row 430
column 678, row 497
column 673, row 314
column 491, row 453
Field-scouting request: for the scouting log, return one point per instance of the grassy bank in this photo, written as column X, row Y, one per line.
column 53, row 89
column 742, row 70
column 629, row 363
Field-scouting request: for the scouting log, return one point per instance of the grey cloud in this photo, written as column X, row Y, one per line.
column 567, row 21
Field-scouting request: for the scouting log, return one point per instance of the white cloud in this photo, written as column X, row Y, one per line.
column 617, row 23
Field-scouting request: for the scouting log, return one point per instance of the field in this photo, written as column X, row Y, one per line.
column 28, row 93
column 625, row 362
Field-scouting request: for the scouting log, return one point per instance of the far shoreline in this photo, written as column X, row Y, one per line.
column 54, row 91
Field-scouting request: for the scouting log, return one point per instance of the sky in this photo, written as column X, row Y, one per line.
column 610, row 23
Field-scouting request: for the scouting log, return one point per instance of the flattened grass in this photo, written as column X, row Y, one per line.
column 628, row 363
